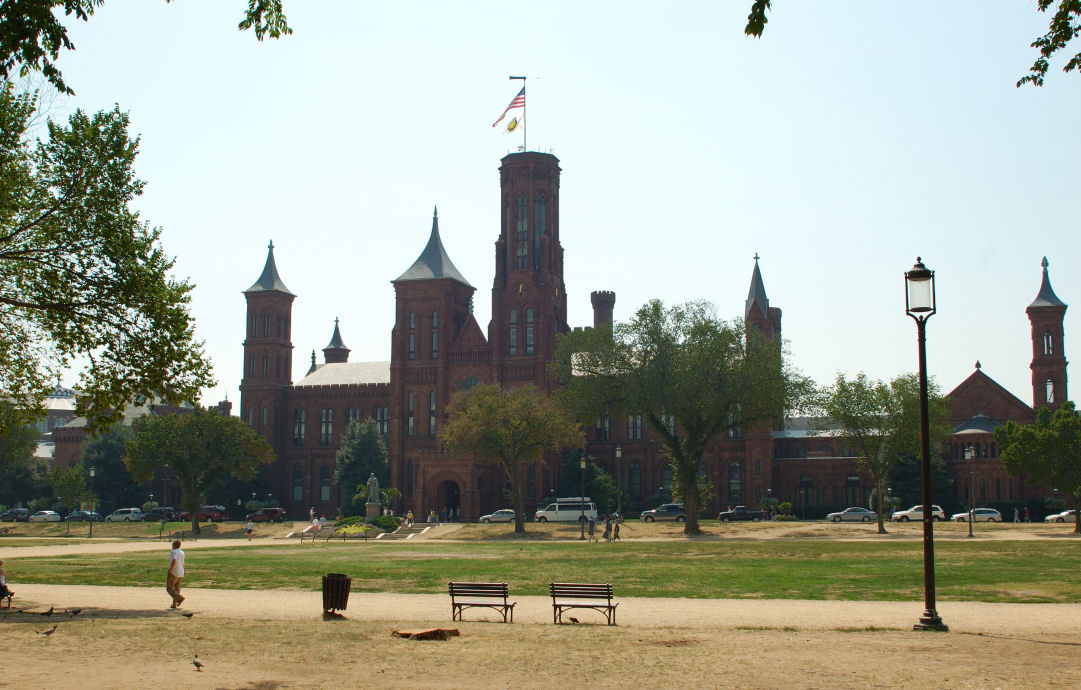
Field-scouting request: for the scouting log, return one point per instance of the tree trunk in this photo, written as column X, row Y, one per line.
column 689, row 488
column 519, row 504
column 881, row 508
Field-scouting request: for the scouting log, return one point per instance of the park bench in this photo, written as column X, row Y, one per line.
column 8, row 597
column 572, row 595
column 493, row 595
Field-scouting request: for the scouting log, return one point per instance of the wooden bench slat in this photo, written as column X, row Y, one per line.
column 483, row 594
column 580, row 595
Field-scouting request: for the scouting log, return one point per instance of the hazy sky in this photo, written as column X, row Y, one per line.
column 850, row 139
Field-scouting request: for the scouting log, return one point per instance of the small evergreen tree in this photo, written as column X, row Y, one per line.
column 362, row 453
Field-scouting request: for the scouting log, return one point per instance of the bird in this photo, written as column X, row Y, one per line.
column 74, row 612
column 187, row 614
column 50, row 631
column 572, row 619
column 198, row 663
column 49, row 612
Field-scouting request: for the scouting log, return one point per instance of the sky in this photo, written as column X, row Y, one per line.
column 850, row 139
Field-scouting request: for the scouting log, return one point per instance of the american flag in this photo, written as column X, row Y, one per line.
column 518, row 102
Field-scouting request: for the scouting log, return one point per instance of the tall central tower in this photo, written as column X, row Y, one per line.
column 529, row 300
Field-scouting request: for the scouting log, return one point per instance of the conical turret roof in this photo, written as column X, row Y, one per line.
column 336, row 339
column 757, row 293
column 1047, row 296
column 433, row 263
column 269, row 280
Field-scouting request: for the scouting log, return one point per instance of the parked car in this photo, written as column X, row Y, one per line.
column 978, row 515
column 213, row 514
column 45, row 516
column 916, row 513
column 169, row 513
column 853, row 514
column 741, row 513
column 504, row 515
column 1062, row 517
column 665, row 511
column 125, row 515
column 83, row 516
column 268, row 515
column 16, row 515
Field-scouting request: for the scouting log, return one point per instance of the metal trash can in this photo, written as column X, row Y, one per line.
column 336, row 591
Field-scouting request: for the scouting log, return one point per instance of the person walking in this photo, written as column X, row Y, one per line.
column 607, row 529
column 311, row 513
column 615, row 531
column 592, row 527
column 175, row 575
column 1016, row 514
column 409, row 518
column 250, row 527
column 1027, row 516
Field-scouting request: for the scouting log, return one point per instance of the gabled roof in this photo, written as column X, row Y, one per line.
column 981, row 394
column 269, row 280
column 757, row 293
column 433, row 263
column 1047, row 296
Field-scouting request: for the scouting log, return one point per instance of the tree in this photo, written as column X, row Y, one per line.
column 600, row 486
column 1048, row 449
column 113, row 482
column 81, row 276
column 361, row 454
column 1064, row 27
column 511, row 427
column 692, row 376
column 31, row 35
column 200, row 448
column 17, row 441
column 21, row 482
column 881, row 421
column 68, row 484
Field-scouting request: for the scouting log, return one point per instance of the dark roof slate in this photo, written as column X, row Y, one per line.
column 433, row 263
column 757, row 293
column 1047, row 296
column 269, row 281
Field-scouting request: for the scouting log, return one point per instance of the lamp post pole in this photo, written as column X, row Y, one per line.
column 619, row 481
column 582, row 499
column 970, row 452
column 92, row 473
column 920, row 305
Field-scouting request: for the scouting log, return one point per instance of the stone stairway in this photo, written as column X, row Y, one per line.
column 404, row 532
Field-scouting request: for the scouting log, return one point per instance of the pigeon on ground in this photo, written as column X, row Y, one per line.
column 572, row 619
column 49, row 612
column 50, row 631
column 74, row 612
column 198, row 663
column 187, row 614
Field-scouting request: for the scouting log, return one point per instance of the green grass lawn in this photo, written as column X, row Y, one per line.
column 1000, row 571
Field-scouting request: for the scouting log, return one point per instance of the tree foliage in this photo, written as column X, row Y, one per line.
column 599, row 485
column 113, row 483
column 1065, row 26
column 691, row 375
column 200, row 448
column 1048, row 449
column 17, row 441
column 361, row 454
column 32, row 34
column 69, row 485
column 82, row 278
column 881, row 421
column 512, row 427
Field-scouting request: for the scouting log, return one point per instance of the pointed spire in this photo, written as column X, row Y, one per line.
column 336, row 352
column 433, row 263
column 1047, row 296
column 757, row 293
column 336, row 339
column 269, row 280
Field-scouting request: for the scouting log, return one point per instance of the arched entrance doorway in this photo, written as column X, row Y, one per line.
column 450, row 500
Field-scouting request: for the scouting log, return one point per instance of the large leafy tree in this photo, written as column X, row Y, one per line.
column 68, row 484
column 1064, row 27
column 200, row 448
column 32, row 33
column 1048, row 449
column 82, row 279
column 881, row 421
column 512, row 427
column 17, row 441
column 113, row 483
column 693, row 376
column 361, row 454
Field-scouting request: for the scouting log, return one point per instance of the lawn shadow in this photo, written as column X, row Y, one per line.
column 32, row 611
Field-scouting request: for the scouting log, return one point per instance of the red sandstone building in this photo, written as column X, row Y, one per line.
column 438, row 348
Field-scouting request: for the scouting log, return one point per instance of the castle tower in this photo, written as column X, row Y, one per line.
column 268, row 354
column 758, row 313
column 529, row 301
column 604, row 302
column 1048, row 366
column 336, row 352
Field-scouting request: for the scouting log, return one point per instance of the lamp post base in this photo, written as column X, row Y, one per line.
column 931, row 621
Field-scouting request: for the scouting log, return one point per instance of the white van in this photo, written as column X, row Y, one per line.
column 567, row 510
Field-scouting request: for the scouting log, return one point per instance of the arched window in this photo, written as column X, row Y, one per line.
column 266, row 364
column 410, row 408
column 538, row 228
column 326, row 426
column 324, row 485
column 735, row 483
column 1048, row 343
column 634, row 481
column 277, row 365
column 529, row 330
column 254, row 326
column 300, row 426
column 512, row 335
column 278, row 325
column 1049, row 390
column 266, row 324
column 522, row 227
column 298, row 485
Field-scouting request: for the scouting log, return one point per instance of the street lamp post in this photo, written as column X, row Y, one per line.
column 920, row 305
column 582, row 498
column 92, row 473
column 769, row 500
column 970, row 453
column 619, row 481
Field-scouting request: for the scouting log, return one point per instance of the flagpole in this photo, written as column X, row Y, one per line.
column 524, row 104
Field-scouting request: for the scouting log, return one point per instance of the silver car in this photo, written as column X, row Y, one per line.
column 978, row 515
column 504, row 515
column 853, row 514
column 1061, row 517
column 45, row 516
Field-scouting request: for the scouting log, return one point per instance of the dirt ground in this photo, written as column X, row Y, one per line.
column 126, row 637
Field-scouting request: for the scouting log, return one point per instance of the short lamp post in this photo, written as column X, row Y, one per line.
column 92, row 473
column 582, row 498
column 920, row 305
column 970, row 453
column 619, row 481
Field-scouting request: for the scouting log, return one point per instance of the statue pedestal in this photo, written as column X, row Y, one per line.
column 373, row 510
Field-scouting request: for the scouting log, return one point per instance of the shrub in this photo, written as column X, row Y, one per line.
column 387, row 523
